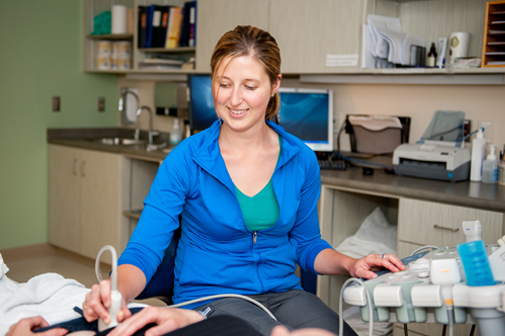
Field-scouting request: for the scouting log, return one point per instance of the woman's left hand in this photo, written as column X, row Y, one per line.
column 167, row 320
column 366, row 266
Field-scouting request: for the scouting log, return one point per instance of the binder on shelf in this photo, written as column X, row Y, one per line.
column 155, row 28
column 149, row 26
column 192, row 25
column 160, row 41
column 142, row 26
column 174, row 27
column 184, row 38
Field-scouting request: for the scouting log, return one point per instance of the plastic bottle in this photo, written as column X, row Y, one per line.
column 478, row 155
column 490, row 167
column 476, row 264
column 432, row 56
column 176, row 133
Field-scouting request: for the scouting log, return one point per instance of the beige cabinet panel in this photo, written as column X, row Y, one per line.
column 84, row 200
column 100, row 206
column 64, row 198
column 308, row 31
column 429, row 223
column 215, row 17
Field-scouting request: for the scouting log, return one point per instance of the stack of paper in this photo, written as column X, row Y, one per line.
column 384, row 43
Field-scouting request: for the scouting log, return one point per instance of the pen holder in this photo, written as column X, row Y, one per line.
column 476, row 264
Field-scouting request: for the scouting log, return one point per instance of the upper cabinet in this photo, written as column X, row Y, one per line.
column 215, row 17
column 315, row 37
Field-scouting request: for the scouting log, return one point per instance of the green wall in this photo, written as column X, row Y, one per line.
column 40, row 57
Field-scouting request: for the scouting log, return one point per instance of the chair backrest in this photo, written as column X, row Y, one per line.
column 161, row 285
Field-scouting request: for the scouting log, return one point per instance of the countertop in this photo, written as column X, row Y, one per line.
column 464, row 193
column 87, row 138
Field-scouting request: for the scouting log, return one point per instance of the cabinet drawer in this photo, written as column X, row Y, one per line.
column 428, row 223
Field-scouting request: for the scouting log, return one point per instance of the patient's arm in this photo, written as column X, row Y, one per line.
column 26, row 326
column 131, row 282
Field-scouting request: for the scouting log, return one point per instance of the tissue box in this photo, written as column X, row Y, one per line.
column 377, row 134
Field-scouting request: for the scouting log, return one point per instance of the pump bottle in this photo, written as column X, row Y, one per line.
column 478, row 155
column 490, row 167
column 176, row 133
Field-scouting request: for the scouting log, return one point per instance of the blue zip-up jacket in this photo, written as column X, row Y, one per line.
column 217, row 254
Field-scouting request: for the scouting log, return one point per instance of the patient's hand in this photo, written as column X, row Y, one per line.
column 167, row 320
column 98, row 301
column 283, row 331
column 26, row 326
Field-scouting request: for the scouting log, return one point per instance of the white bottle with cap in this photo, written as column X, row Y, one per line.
column 490, row 167
column 176, row 133
column 478, row 155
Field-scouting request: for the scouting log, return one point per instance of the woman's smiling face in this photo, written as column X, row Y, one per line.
column 242, row 90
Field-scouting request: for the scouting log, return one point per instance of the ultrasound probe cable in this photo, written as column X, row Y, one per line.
column 115, row 294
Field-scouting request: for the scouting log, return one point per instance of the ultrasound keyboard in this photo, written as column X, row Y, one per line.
column 332, row 164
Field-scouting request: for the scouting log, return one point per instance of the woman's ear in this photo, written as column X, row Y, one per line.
column 277, row 84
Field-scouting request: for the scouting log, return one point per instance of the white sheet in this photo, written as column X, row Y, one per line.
column 49, row 295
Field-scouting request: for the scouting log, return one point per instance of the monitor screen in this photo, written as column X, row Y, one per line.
column 308, row 115
column 202, row 112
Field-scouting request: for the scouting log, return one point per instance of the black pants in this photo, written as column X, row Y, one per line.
column 216, row 326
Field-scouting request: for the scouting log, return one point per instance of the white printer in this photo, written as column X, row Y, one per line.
column 437, row 160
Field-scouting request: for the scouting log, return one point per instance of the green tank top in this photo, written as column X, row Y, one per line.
column 265, row 200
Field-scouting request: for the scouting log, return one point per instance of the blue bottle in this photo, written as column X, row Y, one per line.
column 476, row 264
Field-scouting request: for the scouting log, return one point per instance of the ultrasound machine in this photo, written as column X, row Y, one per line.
column 446, row 285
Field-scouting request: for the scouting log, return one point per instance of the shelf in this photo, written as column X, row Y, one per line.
column 111, row 37
column 168, row 50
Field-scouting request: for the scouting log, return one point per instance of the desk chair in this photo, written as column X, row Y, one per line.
column 161, row 285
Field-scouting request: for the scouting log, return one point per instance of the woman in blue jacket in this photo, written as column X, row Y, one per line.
column 247, row 192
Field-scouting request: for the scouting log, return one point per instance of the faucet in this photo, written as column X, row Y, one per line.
column 122, row 105
column 151, row 132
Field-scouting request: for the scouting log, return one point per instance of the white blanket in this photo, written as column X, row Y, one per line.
column 49, row 295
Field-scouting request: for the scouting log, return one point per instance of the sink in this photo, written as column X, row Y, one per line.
column 120, row 141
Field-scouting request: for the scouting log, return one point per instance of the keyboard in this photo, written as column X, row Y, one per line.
column 333, row 164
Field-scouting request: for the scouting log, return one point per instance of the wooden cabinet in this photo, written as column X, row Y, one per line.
column 427, row 223
column 84, row 200
column 315, row 37
column 90, row 42
column 215, row 17
column 493, row 46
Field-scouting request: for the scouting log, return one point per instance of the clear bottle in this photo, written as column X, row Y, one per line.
column 432, row 56
column 478, row 155
column 490, row 167
column 176, row 133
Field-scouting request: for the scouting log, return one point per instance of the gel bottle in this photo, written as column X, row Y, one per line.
column 478, row 155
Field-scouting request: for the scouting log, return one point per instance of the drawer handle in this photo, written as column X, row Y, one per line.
column 436, row 226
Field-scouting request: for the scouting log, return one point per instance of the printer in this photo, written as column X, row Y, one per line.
column 433, row 160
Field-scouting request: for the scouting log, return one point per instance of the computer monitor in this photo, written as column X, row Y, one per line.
column 308, row 115
column 202, row 112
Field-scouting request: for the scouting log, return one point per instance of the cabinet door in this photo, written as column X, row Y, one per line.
column 428, row 223
column 215, row 17
column 310, row 31
column 64, row 198
column 100, row 202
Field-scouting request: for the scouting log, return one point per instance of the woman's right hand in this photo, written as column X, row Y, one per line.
column 97, row 302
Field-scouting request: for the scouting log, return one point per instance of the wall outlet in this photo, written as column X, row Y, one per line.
column 489, row 130
column 56, row 104
column 101, row 104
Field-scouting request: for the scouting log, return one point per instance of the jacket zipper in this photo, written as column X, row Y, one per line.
column 255, row 235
